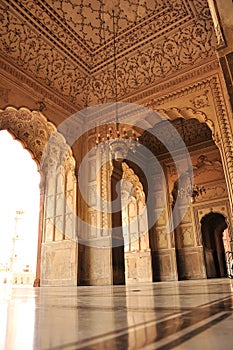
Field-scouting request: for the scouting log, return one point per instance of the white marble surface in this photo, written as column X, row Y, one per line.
column 168, row 315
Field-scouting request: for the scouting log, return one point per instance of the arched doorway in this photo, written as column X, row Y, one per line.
column 212, row 227
column 57, row 251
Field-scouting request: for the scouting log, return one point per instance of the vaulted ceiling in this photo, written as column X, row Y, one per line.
column 67, row 46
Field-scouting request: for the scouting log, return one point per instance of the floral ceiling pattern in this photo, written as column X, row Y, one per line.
column 68, row 45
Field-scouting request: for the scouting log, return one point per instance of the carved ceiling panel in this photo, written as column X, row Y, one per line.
column 68, row 45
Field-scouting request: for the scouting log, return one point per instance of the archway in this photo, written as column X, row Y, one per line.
column 19, row 207
column 56, row 263
column 179, row 253
column 135, row 228
column 212, row 228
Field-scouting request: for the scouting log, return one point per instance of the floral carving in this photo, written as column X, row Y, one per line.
column 57, row 44
column 201, row 101
column 157, row 62
column 39, row 137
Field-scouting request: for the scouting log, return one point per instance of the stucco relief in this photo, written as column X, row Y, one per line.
column 134, row 211
column 201, row 101
column 218, row 120
column 57, row 155
column 221, row 208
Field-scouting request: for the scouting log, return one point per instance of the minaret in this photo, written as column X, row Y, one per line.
column 16, row 261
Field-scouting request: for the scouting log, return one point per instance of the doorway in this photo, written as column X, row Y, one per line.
column 213, row 226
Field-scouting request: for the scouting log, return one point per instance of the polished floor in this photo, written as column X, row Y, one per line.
column 167, row 315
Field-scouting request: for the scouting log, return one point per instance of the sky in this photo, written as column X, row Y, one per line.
column 19, row 190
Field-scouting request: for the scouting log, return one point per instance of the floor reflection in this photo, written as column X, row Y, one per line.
column 143, row 316
column 17, row 311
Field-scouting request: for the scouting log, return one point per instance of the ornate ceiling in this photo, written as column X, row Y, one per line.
column 67, row 46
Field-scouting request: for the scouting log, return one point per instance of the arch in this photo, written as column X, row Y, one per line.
column 191, row 131
column 31, row 128
column 55, row 161
column 135, row 228
column 187, row 113
column 159, row 114
column 220, row 126
column 183, row 244
column 213, row 225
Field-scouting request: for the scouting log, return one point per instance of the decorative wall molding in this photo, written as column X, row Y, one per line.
column 207, row 88
column 201, row 101
column 217, row 26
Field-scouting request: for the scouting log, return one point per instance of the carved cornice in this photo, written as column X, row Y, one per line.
column 131, row 180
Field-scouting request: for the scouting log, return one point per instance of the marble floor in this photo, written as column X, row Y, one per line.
column 167, row 315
